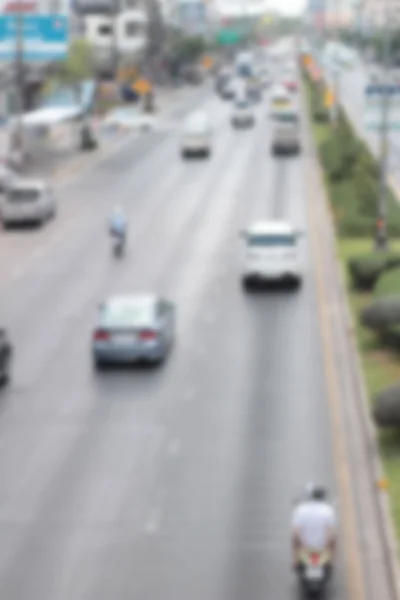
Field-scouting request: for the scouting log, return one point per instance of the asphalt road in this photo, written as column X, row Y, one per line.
column 179, row 482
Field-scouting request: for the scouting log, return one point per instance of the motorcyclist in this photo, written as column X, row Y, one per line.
column 118, row 224
column 313, row 524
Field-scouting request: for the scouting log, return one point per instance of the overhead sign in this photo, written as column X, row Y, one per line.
column 227, row 37
column 329, row 98
column 374, row 96
column 142, row 86
column 44, row 38
column 20, row 6
column 207, row 62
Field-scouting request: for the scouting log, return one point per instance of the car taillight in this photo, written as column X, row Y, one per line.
column 147, row 335
column 101, row 336
column 315, row 558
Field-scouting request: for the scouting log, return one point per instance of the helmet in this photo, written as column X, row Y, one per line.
column 316, row 492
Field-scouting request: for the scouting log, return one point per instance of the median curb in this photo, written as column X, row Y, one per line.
column 388, row 536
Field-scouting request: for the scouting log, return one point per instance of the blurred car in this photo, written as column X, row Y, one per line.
column 5, row 356
column 228, row 89
column 196, row 135
column 242, row 115
column 271, row 254
column 7, row 176
column 279, row 99
column 27, row 201
column 291, row 85
column 286, row 132
column 134, row 328
column 129, row 118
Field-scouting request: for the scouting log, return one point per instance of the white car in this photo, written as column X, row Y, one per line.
column 271, row 254
column 196, row 135
column 243, row 115
column 27, row 201
column 7, row 176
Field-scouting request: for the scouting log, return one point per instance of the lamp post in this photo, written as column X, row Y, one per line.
column 381, row 240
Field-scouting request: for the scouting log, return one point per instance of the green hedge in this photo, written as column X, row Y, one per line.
column 351, row 172
column 388, row 284
column 366, row 270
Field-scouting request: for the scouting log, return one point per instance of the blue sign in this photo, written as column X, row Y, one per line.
column 44, row 38
column 374, row 94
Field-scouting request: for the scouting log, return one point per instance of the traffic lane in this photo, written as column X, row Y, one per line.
column 84, row 270
column 252, row 429
column 68, row 489
column 133, row 569
column 17, row 243
column 122, row 179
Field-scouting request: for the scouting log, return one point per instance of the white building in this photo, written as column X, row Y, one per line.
column 113, row 28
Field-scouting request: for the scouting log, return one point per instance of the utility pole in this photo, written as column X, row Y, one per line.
column 336, row 75
column 17, row 139
column 381, row 240
column 115, row 49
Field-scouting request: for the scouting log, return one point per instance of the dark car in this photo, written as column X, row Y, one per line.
column 5, row 356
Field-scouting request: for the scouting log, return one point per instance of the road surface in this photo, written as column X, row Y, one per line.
column 168, row 483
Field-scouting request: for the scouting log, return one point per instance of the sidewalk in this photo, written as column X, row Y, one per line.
column 58, row 163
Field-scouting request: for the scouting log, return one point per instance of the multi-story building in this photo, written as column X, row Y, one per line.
column 120, row 30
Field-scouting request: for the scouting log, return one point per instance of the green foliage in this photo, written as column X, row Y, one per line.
column 78, row 65
column 386, row 410
column 188, row 49
column 366, row 269
column 388, row 283
column 351, row 173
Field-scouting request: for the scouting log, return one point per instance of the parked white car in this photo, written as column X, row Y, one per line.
column 271, row 254
column 26, row 201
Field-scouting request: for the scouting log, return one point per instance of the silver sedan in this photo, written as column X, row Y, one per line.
column 132, row 329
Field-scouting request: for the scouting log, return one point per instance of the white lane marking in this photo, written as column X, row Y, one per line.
column 174, row 447
column 155, row 516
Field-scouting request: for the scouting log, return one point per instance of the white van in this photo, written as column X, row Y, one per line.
column 196, row 136
column 27, row 201
column 271, row 254
column 286, row 132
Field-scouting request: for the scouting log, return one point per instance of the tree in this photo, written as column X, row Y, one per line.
column 77, row 67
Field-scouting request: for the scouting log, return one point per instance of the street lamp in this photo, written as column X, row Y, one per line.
column 381, row 240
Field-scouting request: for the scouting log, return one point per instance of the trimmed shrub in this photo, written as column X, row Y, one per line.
column 386, row 409
column 382, row 314
column 388, row 283
column 365, row 270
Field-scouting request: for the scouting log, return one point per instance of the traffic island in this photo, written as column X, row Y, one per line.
column 372, row 277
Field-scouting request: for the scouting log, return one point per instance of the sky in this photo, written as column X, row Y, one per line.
column 285, row 7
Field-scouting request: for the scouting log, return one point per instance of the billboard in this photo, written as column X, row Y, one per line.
column 44, row 38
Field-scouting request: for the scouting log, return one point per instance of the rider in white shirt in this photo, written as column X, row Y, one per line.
column 118, row 223
column 313, row 524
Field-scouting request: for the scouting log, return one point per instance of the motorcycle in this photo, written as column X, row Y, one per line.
column 118, row 245
column 314, row 572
